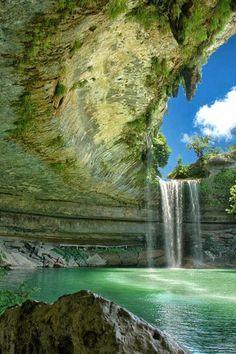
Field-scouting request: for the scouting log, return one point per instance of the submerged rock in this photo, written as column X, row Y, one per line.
column 82, row 323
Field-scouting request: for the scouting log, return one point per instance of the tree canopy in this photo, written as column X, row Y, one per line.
column 198, row 143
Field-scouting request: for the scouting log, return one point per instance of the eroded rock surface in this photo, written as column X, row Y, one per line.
column 82, row 323
column 83, row 94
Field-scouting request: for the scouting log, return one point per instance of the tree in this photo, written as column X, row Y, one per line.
column 198, row 143
column 180, row 170
column 160, row 150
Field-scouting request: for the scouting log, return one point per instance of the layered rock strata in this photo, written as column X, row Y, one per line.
column 84, row 87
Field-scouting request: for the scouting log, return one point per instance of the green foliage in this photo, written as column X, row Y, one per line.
column 193, row 27
column 198, row 24
column 60, row 89
column 13, row 297
column 69, row 5
column 133, row 136
column 58, row 166
column 215, row 190
column 149, row 17
column 159, row 67
column 211, row 152
column 159, row 70
column 221, row 15
column 27, row 106
column 160, row 151
column 25, row 110
column 180, row 171
column 198, row 144
column 76, row 46
column 116, row 7
column 71, row 253
column 232, row 200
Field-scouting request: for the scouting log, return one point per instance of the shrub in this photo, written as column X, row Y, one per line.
column 60, row 89
column 181, row 171
column 149, row 17
column 160, row 151
column 216, row 189
column 159, row 66
column 116, row 7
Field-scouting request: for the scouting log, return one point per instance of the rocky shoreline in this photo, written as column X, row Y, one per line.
column 17, row 253
column 33, row 254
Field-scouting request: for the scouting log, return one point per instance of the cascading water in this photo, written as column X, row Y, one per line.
column 172, row 213
column 196, row 222
column 172, row 200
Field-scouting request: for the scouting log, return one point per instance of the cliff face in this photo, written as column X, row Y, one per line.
column 84, row 86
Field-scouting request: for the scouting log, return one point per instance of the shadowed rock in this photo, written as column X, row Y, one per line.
column 82, row 323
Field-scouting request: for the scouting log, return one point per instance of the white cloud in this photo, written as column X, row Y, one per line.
column 185, row 138
column 218, row 119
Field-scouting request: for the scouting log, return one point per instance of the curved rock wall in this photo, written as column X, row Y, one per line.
column 84, row 87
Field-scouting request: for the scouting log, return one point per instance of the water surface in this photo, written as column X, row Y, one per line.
column 196, row 307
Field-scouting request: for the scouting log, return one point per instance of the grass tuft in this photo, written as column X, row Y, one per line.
column 116, row 7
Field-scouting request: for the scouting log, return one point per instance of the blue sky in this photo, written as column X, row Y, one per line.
column 218, row 79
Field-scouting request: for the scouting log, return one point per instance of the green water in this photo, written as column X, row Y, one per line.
column 197, row 307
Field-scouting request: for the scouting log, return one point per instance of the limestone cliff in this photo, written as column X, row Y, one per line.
column 84, row 86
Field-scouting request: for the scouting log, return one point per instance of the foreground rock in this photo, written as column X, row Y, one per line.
column 82, row 323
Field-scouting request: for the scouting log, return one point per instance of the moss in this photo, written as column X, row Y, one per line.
column 60, row 89
column 149, row 17
column 58, row 166
column 76, row 46
column 159, row 67
column 116, row 7
column 133, row 132
column 25, row 110
column 158, row 70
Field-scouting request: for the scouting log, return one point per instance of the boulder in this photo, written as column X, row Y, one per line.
column 82, row 323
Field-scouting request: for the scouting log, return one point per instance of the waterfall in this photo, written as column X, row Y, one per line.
column 196, row 222
column 172, row 213
column 172, row 201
